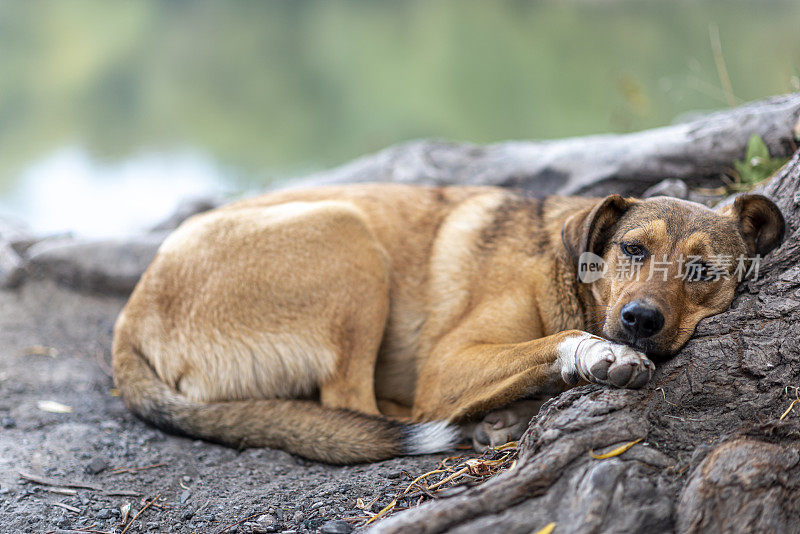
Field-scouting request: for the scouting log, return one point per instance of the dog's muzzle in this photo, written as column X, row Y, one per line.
column 641, row 320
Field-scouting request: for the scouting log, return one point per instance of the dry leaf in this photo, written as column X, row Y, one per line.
column 53, row 407
column 40, row 350
column 616, row 452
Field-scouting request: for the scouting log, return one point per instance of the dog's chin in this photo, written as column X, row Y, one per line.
column 650, row 347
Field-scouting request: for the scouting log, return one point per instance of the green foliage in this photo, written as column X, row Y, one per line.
column 757, row 165
column 275, row 89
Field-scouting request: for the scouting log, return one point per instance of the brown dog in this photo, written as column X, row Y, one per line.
column 350, row 324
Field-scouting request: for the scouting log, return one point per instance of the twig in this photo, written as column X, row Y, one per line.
column 794, row 402
column 383, row 512
column 719, row 60
column 665, row 397
column 121, row 470
column 145, row 507
column 421, row 477
column 67, row 507
column 469, row 471
column 615, row 452
column 121, row 493
column 60, row 486
column 449, row 478
column 62, row 491
column 789, row 409
column 240, row 522
column 51, row 482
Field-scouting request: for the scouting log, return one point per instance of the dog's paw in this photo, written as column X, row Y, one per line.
column 600, row 361
column 501, row 426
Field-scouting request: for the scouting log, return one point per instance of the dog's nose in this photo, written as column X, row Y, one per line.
column 641, row 320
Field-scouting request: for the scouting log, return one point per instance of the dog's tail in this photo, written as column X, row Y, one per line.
column 304, row 428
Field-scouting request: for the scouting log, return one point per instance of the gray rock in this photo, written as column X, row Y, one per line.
column 671, row 187
column 110, row 266
column 96, row 465
column 186, row 209
column 13, row 230
column 264, row 524
column 698, row 151
column 336, row 527
column 12, row 266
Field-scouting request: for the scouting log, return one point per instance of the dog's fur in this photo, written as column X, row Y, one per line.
column 354, row 323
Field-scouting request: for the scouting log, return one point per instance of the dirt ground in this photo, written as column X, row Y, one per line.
column 54, row 346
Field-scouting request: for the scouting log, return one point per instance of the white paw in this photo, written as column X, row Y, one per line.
column 600, row 361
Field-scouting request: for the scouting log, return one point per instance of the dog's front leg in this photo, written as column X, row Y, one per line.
column 466, row 381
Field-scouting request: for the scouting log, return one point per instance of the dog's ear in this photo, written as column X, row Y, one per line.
column 589, row 229
column 760, row 222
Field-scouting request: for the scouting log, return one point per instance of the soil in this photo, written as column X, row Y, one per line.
column 55, row 346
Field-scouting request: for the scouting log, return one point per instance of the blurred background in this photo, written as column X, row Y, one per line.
column 111, row 112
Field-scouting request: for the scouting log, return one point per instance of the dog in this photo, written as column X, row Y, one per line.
column 357, row 323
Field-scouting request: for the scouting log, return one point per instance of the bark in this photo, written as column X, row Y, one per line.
column 698, row 152
column 715, row 455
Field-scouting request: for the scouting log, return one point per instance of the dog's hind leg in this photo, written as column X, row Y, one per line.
column 245, row 313
column 363, row 319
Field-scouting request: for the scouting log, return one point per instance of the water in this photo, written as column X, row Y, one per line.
column 68, row 191
column 112, row 112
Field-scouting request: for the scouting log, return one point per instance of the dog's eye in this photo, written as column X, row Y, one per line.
column 634, row 251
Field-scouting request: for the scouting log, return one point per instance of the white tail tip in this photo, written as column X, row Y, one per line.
column 427, row 438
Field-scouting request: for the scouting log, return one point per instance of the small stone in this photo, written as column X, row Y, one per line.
column 187, row 514
column 186, row 479
column 318, row 504
column 110, row 425
column 336, row 526
column 104, row 514
column 298, row 516
column 8, row 422
column 96, row 465
column 671, row 187
column 185, row 494
column 264, row 524
column 392, row 474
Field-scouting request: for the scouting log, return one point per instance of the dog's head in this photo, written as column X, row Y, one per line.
column 667, row 263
